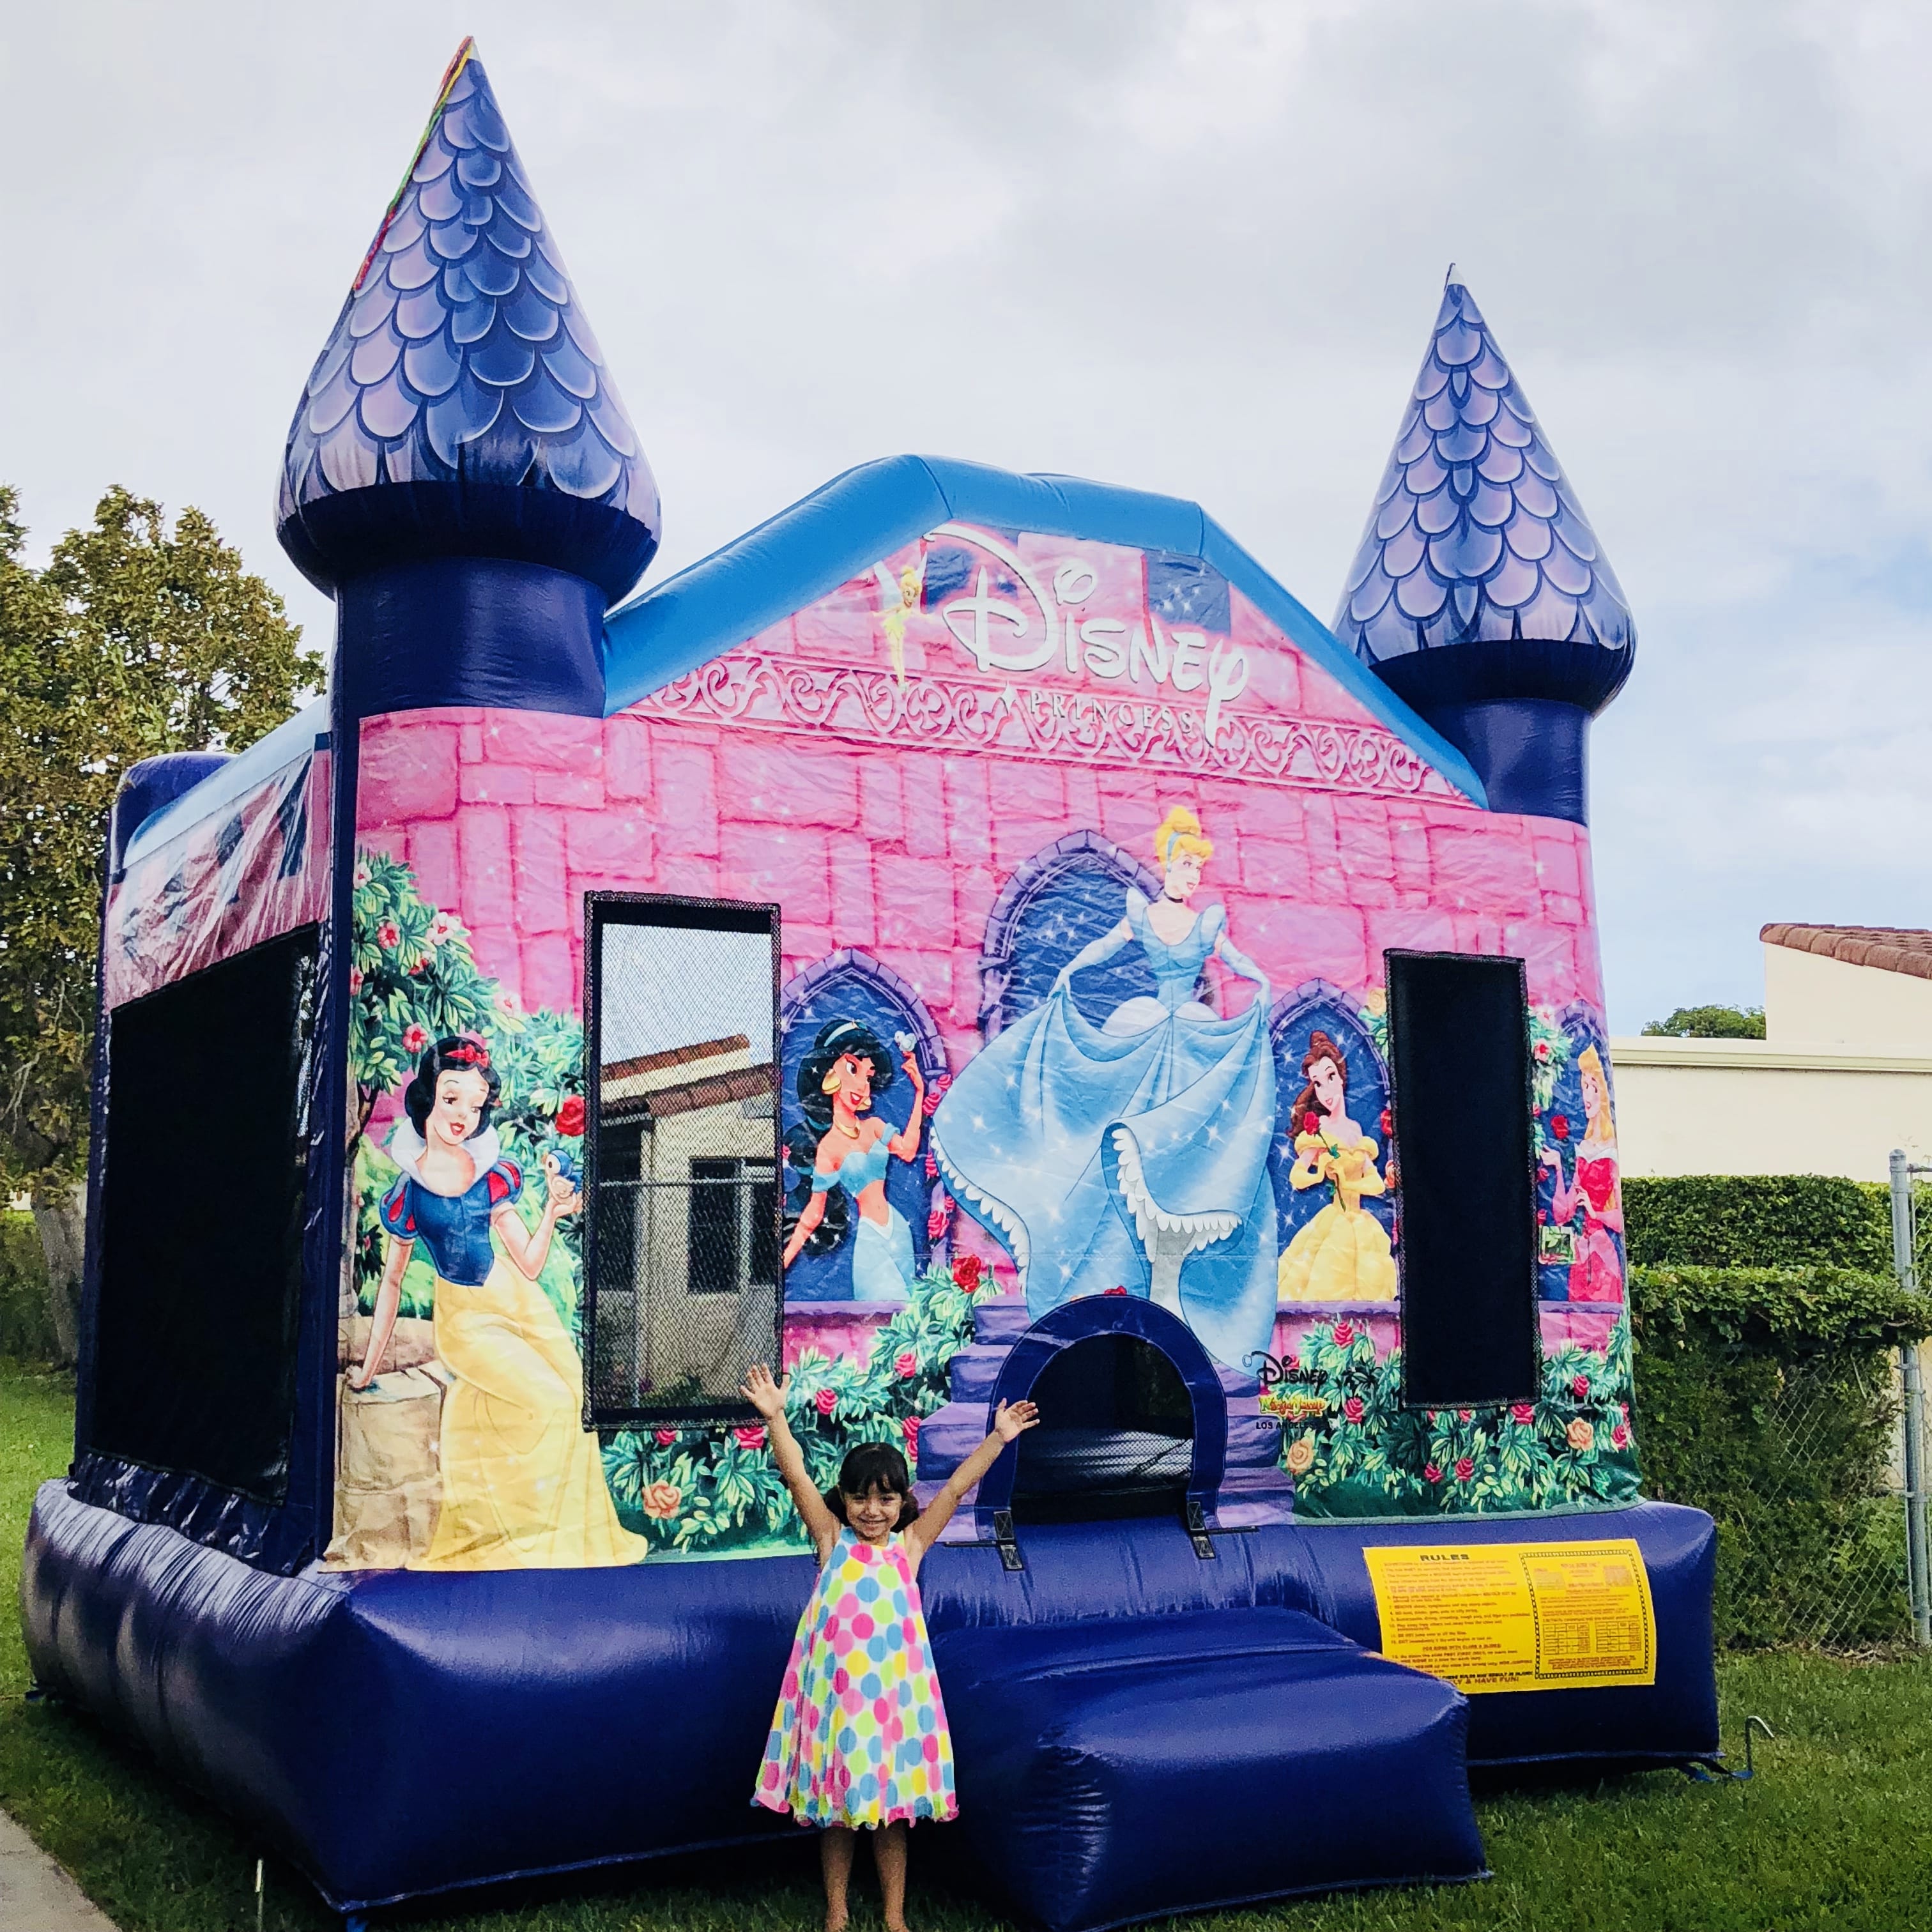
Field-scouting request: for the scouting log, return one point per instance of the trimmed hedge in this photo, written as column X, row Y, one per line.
column 1767, row 1396
column 1760, row 1221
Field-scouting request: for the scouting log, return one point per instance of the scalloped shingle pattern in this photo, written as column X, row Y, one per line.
column 1476, row 533
column 465, row 351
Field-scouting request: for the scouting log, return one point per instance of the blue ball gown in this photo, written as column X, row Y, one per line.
column 1133, row 1154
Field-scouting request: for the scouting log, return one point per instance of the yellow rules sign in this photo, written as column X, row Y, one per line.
column 1517, row 1616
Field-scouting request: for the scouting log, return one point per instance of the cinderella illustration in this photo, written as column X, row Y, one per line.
column 523, row 1483
column 1133, row 1154
column 1343, row 1253
column 847, row 1149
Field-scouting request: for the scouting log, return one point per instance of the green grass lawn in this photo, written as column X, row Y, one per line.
column 1836, row 1831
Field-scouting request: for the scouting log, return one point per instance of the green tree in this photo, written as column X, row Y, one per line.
column 135, row 639
column 1710, row 1023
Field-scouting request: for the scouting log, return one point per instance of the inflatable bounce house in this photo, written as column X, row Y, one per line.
column 975, row 937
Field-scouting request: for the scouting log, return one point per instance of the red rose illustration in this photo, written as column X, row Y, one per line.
column 1620, row 1437
column 1353, row 1409
column 666, row 1437
column 1559, row 1126
column 1464, row 1415
column 935, row 1224
column 1465, row 1470
column 354, row 979
column 570, row 1117
column 1430, row 1473
column 1543, row 1217
column 1388, row 1123
column 936, row 1093
column 1311, row 1124
column 932, row 1168
column 909, row 1428
column 388, row 935
column 826, row 1402
column 1345, row 1333
column 751, row 1437
column 1579, row 1387
column 1542, row 1049
column 415, row 968
column 966, row 1272
column 1524, row 1412
column 1113, row 1291
column 415, row 1038
column 906, row 1364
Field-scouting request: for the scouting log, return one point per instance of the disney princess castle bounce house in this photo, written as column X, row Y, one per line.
column 976, row 938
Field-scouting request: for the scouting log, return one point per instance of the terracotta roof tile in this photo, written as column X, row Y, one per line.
column 1891, row 949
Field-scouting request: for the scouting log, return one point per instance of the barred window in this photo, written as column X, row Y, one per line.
column 683, row 1289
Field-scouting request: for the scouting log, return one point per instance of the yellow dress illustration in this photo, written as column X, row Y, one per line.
column 522, row 1479
column 1343, row 1253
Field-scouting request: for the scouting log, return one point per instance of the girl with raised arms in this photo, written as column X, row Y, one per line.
column 858, row 1740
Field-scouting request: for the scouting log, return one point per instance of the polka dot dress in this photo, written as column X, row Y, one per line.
column 860, row 1735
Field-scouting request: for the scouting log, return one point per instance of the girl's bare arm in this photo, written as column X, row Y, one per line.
column 1012, row 1420
column 767, row 1397
column 388, row 1299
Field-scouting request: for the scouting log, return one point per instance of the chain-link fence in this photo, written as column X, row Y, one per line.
column 1821, row 1534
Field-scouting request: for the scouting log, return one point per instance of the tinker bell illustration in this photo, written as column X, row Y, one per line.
column 1343, row 1253
column 523, row 1483
column 1132, row 1154
column 845, row 1149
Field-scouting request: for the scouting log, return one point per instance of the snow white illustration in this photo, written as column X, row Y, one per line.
column 1132, row 1154
column 523, row 1483
column 1343, row 1253
column 844, row 1151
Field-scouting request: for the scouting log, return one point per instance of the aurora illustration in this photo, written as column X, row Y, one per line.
column 1132, row 1154
column 523, row 1482
column 1343, row 1254
column 1597, row 1274
column 845, row 1149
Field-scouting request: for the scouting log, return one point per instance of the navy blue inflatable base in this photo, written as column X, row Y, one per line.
column 397, row 1734
column 1123, row 1770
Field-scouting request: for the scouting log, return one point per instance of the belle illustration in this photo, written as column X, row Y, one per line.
column 523, row 1483
column 1597, row 1274
column 1343, row 1253
column 1133, row 1154
column 847, row 1148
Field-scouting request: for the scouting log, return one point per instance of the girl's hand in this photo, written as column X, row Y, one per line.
column 560, row 1195
column 764, row 1395
column 1550, row 1157
column 1013, row 1419
column 913, row 1073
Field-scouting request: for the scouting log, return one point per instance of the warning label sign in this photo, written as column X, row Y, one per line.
column 1517, row 1616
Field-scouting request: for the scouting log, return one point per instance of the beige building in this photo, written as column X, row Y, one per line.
column 1843, row 1075
column 685, row 1176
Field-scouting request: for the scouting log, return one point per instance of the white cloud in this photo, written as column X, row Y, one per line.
column 1192, row 246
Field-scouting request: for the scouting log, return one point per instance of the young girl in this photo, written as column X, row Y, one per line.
column 859, row 1737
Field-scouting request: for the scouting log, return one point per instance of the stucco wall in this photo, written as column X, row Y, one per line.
column 1811, row 999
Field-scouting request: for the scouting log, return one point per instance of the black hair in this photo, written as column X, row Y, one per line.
column 836, row 1040
column 874, row 1465
column 451, row 1056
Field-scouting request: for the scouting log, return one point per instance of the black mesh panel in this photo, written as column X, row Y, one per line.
column 193, row 1353
column 1458, row 1054
column 684, row 1287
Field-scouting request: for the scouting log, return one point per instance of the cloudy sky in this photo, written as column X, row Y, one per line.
column 1193, row 245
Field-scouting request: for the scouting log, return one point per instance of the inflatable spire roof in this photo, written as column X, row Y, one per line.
column 461, row 405
column 1476, row 539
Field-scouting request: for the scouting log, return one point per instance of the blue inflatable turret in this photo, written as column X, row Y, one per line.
column 460, row 473
column 1479, row 593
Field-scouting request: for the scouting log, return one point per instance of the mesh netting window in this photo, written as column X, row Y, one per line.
column 1459, row 1052
column 193, row 1359
column 684, row 1279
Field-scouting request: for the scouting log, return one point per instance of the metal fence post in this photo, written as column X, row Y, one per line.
column 1917, row 1582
